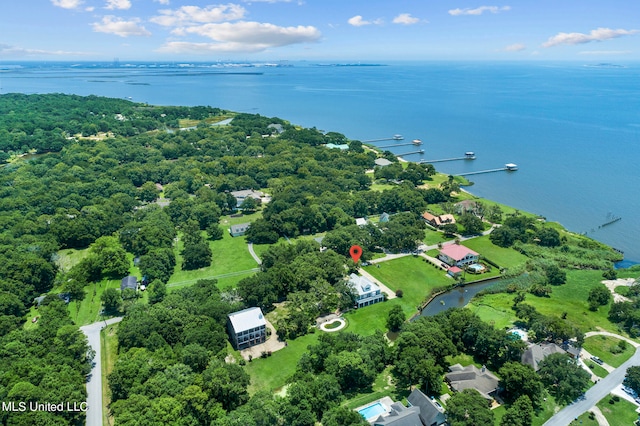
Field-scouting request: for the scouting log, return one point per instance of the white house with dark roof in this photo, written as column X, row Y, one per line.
column 458, row 255
column 247, row 327
column 239, row 229
column 367, row 292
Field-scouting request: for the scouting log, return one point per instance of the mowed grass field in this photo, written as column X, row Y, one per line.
column 607, row 349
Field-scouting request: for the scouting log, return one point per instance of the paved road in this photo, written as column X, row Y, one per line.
column 253, row 254
column 94, row 384
column 595, row 394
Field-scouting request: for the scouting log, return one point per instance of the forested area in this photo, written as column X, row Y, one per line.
column 95, row 183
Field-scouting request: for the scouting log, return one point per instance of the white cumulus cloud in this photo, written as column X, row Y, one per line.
column 118, row 4
column 242, row 37
column 405, row 19
column 67, row 4
column 598, row 34
column 479, row 10
column 162, row 1
column 358, row 21
column 517, row 47
column 190, row 15
column 120, row 27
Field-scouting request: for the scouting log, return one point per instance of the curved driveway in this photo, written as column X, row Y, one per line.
column 94, row 384
column 598, row 391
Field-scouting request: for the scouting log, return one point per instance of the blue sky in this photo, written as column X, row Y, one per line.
column 353, row 30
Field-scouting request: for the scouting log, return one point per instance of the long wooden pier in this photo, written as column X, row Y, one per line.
column 420, row 151
column 507, row 168
column 447, row 159
column 397, row 144
column 393, row 138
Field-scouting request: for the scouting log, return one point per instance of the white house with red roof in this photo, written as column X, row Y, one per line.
column 457, row 255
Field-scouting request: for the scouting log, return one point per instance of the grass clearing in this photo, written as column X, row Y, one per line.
column 108, row 357
column 547, row 409
column 413, row 275
column 604, row 348
column 382, row 386
column 272, row 373
column 230, row 255
column 505, row 257
column 597, row 370
column 570, row 298
column 621, row 412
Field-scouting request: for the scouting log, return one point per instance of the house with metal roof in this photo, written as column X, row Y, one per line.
column 367, row 292
column 458, row 255
column 129, row 282
column 247, row 327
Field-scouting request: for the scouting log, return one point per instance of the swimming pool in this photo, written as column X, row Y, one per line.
column 372, row 410
column 476, row 268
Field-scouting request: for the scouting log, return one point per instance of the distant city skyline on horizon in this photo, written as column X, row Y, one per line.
column 356, row 30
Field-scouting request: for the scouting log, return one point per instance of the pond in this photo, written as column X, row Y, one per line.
column 457, row 297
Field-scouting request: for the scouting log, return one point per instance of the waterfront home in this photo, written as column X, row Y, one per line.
column 247, row 327
column 438, row 221
column 382, row 162
column 458, row 255
column 367, row 292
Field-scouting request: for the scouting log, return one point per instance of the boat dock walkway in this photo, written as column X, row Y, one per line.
column 397, row 144
column 447, row 159
column 506, row 168
column 393, row 138
column 420, row 151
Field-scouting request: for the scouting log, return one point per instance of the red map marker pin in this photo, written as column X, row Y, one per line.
column 355, row 252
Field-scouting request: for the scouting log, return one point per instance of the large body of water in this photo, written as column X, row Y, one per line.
column 573, row 130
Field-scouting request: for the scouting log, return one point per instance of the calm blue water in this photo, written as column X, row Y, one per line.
column 372, row 410
column 574, row 131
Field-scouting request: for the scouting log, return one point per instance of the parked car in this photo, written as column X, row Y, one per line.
column 597, row 360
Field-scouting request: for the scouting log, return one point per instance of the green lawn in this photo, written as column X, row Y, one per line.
column 602, row 346
column 413, row 275
column 108, row 355
column 67, row 258
column 271, row 373
column 622, row 412
column 462, row 359
column 570, row 298
column 230, row 255
column 432, row 237
column 505, row 257
column 545, row 412
column 498, row 316
column 597, row 370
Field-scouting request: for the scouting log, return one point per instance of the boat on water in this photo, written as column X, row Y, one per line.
column 397, row 137
column 511, row 167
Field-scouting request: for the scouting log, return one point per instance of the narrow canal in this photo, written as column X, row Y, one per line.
column 455, row 298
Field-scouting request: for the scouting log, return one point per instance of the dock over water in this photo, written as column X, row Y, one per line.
column 507, row 168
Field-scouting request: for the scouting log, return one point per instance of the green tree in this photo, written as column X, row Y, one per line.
column 469, row 408
column 157, row 291
column 111, row 300
column 548, row 237
column 215, row 232
column 196, row 256
column 519, row 414
column 148, row 192
column 502, row 236
column 395, row 318
column 563, row 377
column 471, row 223
column 517, row 380
column 598, row 296
column 343, row 416
column 632, row 378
